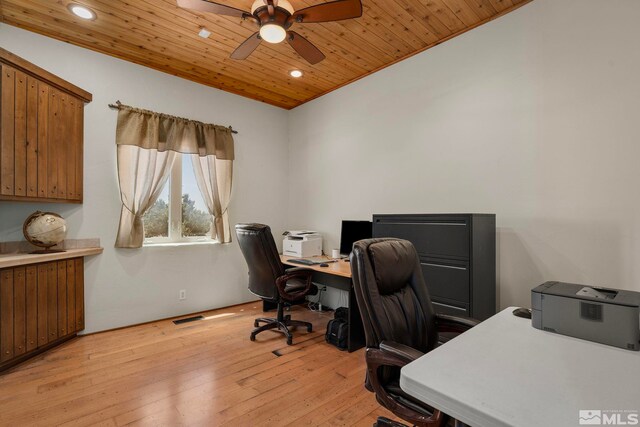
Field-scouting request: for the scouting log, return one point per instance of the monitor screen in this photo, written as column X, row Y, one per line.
column 352, row 231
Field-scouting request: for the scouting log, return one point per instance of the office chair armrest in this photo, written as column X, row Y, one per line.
column 297, row 269
column 401, row 351
column 392, row 354
column 447, row 323
column 281, row 283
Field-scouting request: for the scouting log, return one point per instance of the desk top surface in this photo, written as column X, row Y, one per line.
column 504, row 372
column 338, row 268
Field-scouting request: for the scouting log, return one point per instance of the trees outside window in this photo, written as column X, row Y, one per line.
column 179, row 214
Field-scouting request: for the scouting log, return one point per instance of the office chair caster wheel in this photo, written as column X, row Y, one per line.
column 252, row 337
column 289, row 341
column 255, row 324
column 309, row 328
column 287, row 318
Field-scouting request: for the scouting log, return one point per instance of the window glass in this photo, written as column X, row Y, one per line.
column 196, row 220
column 156, row 219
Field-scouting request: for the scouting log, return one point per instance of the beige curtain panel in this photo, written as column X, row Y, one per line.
column 211, row 176
column 147, row 145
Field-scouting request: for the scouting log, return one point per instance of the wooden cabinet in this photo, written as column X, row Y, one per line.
column 41, row 134
column 41, row 305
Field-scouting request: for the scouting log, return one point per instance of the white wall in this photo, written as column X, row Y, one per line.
column 533, row 117
column 131, row 286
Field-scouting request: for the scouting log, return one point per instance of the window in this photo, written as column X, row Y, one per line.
column 180, row 214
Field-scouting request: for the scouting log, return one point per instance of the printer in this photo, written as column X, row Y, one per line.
column 607, row 316
column 302, row 243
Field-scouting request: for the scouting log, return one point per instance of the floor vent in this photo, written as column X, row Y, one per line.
column 187, row 320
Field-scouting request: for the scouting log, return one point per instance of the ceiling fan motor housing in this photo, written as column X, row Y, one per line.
column 280, row 16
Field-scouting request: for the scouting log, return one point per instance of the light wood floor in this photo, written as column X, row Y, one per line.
column 205, row 373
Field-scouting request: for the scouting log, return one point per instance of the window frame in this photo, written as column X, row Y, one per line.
column 174, row 230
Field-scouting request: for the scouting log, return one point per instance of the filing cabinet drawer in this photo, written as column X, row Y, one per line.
column 452, row 308
column 447, row 279
column 440, row 238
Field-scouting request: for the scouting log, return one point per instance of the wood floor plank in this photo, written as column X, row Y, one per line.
column 205, row 373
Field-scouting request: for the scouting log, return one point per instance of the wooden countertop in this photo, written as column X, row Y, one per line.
column 338, row 268
column 17, row 259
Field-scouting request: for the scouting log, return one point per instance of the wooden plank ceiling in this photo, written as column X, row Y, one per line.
column 160, row 35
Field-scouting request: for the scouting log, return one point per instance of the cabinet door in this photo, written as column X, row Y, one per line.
column 78, row 151
column 62, row 298
column 6, row 314
column 71, row 297
column 62, row 143
column 7, row 131
column 32, row 137
column 43, row 310
column 444, row 238
column 19, row 312
column 52, row 301
column 70, row 159
column 20, row 134
column 31, row 284
column 79, row 272
column 52, row 143
column 43, row 139
column 447, row 278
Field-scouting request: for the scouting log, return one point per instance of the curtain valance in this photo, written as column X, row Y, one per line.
column 149, row 130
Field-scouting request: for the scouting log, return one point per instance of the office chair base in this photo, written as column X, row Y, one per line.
column 279, row 326
column 386, row 422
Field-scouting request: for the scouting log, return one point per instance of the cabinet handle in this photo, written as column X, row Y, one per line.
column 449, row 306
column 444, row 266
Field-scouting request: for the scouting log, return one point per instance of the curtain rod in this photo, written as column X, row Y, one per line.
column 117, row 105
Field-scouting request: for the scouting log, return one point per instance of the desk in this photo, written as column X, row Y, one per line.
column 504, row 372
column 338, row 275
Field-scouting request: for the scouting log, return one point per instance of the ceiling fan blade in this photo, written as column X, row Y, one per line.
column 211, row 7
column 247, row 47
column 304, row 48
column 331, row 11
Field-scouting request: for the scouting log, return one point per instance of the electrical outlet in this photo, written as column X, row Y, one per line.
column 182, row 295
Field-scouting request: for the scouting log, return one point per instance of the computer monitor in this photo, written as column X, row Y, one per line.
column 352, row 231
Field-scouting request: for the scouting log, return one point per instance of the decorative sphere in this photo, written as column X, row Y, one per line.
column 44, row 229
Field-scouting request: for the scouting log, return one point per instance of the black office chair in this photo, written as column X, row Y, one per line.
column 399, row 322
column 269, row 280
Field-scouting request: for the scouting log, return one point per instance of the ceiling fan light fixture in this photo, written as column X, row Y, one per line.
column 272, row 33
column 81, row 11
column 295, row 73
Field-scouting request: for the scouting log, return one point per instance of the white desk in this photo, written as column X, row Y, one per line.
column 504, row 372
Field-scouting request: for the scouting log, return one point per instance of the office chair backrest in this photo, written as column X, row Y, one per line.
column 261, row 254
column 392, row 295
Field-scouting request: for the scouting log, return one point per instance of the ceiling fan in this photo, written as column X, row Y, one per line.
column 274, row 17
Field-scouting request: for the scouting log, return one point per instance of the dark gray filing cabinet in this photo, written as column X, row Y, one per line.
column 458, row 257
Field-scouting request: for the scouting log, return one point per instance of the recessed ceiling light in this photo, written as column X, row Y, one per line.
column 295, row 73
column 204, row 33
column 81, row 11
